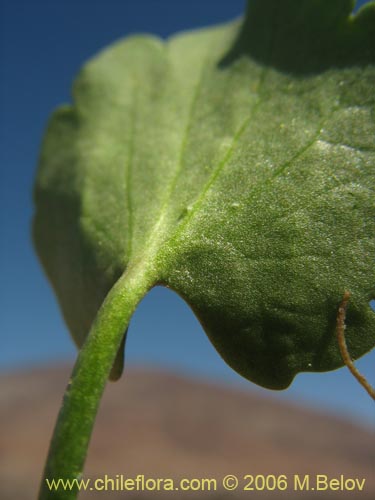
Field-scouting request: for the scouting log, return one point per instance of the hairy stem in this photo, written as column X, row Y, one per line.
column 73, row 429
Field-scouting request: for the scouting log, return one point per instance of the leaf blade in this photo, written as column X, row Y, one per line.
column 244, row 182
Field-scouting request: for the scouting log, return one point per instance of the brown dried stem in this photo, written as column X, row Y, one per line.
column 340, row 332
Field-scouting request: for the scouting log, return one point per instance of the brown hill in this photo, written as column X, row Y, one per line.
column 166, row 426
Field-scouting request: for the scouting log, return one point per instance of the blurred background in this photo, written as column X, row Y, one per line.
column 177, row 391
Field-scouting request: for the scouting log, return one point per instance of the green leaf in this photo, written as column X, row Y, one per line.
column 235, row 165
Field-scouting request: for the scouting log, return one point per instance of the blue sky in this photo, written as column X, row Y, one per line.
column 43, row 44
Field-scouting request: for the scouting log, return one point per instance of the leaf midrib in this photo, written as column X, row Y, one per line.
column 157, row 234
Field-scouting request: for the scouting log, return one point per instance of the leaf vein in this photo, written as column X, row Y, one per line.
column 128, row 172
column 222, row 164
column 357, row 149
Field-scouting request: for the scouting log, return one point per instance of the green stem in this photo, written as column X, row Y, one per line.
column 82, row 397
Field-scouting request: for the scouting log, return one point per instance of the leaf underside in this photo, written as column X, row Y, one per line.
column 235, row 165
